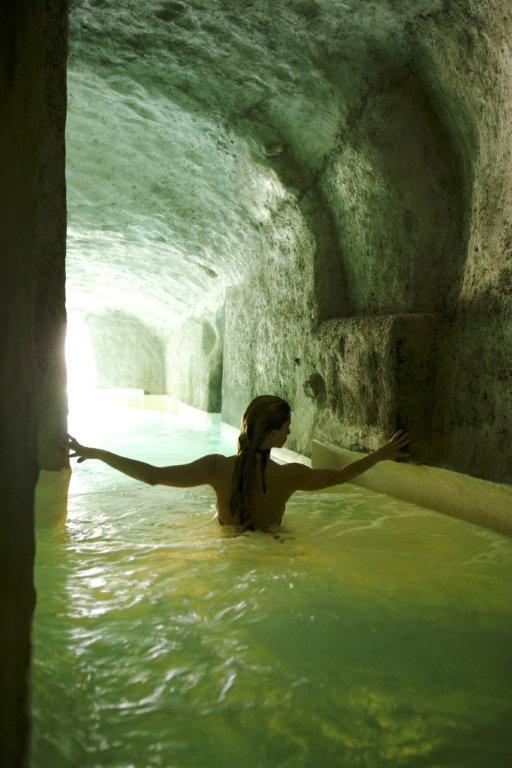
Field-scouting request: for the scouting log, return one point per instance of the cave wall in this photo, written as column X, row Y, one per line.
column 32, row 100
column 127, row 352
column 465, row 54
column 193, row 362
column 395, row 189
column 420, row 189
column 350, row 380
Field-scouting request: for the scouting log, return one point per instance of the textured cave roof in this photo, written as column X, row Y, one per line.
column 189, row 123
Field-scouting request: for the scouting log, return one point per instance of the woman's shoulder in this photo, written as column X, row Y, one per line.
column 224, row 464
column 225, row 459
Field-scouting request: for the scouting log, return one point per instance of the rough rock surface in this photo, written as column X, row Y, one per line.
column 190, row 122
column 127, row 353
column 326, row 170
column 350, row 380
column 32, row 97
column 50, row 312
column 193, row 363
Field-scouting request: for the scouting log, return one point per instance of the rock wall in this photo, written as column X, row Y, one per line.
column 32, row 99
column 350, row 380
column 193, row 361
column 465, row 54
column 395, row 189
column 50, row 312
column 127, row 352
column 420, row 190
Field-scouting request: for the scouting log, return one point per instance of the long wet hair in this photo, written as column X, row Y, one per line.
column 262, row 415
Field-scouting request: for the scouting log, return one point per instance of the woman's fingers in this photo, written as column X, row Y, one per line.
column 70, row 442
column 73, row 447
column 401, row 438
column 398, row 443
column 77, row 455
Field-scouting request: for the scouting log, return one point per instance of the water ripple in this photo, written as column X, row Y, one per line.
column 162, row 639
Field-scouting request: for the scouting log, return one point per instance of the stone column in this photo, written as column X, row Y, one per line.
column 23, row 45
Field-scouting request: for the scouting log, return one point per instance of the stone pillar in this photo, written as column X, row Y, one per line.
column 50, row 312
column 24, row 29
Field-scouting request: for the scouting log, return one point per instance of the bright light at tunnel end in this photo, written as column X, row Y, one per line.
column 80, row 363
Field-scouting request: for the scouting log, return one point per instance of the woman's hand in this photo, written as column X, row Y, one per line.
column 394, row 448
column 70, row 444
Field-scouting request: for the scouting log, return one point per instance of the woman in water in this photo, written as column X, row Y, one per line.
column 251, row 489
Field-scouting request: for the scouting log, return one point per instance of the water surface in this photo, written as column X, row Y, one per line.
column 369, row 632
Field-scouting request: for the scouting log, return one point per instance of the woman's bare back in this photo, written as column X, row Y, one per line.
column 267, row 507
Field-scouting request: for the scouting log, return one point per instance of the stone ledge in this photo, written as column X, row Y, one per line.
column 51, row 497
column 462, row 496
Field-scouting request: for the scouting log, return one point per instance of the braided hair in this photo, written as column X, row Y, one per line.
column 263, row 414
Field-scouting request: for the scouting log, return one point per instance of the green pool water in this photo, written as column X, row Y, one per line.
column 368, row 633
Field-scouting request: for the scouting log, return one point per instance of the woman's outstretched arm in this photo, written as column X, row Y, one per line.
column 303, row 478
column 199, row 472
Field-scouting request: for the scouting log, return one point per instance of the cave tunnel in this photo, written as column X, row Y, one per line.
column 223, row 198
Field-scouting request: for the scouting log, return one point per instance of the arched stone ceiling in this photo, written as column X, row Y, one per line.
column 190, row 123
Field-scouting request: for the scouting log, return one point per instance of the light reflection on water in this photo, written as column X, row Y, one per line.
column 368, row 633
